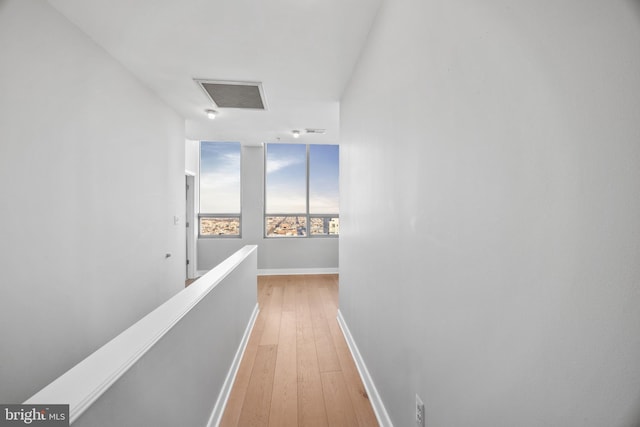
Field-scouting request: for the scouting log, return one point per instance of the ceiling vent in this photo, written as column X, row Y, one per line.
column 225, row 94
column 319, row 131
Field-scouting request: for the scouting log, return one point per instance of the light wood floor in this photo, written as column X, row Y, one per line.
column 297, row 369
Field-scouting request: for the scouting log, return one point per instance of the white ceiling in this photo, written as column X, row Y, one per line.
column 302, row 51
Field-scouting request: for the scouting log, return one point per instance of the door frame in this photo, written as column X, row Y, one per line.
column 191, row 226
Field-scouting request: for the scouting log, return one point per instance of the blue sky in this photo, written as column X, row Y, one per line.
column 286, row 178
column 323, row 179
column 220, row 177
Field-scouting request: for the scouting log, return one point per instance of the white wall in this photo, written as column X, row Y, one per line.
column 191, row 158
column 273, row 254
column 490, row 211
column 91, row 175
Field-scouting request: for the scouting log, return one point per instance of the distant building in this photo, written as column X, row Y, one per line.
column 334, row 226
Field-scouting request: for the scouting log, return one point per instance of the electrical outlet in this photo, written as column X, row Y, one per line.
column 419, row 412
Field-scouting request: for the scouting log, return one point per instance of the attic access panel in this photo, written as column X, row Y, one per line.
column 225, row 94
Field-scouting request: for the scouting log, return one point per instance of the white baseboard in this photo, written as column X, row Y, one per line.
column 285, row 271
column 293, row 271
column 223, row 397
column 374, row 397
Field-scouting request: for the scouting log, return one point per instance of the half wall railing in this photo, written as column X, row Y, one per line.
column 174, row 367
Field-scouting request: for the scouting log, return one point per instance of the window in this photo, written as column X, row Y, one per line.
column 324, row 190
column 301, row 190
column 219, row 189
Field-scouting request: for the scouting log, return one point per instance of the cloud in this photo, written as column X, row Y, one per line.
column 274, row 165
column 324, row 204
column 220, row 180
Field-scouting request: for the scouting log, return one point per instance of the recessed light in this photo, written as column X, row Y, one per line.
column 211, row 114
column 296, row 133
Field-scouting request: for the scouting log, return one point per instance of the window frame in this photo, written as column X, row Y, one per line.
column 307, row 215
column 202, row 215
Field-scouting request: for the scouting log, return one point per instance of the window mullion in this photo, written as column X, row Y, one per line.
column 308, row 216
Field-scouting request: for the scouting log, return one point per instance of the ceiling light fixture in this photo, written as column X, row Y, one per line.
column 296, row 133
column 211, row 114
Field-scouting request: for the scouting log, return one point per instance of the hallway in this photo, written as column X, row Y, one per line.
column 297, row 369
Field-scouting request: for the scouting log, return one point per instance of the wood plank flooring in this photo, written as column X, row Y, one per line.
column 297, row 369
column 189, row 281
